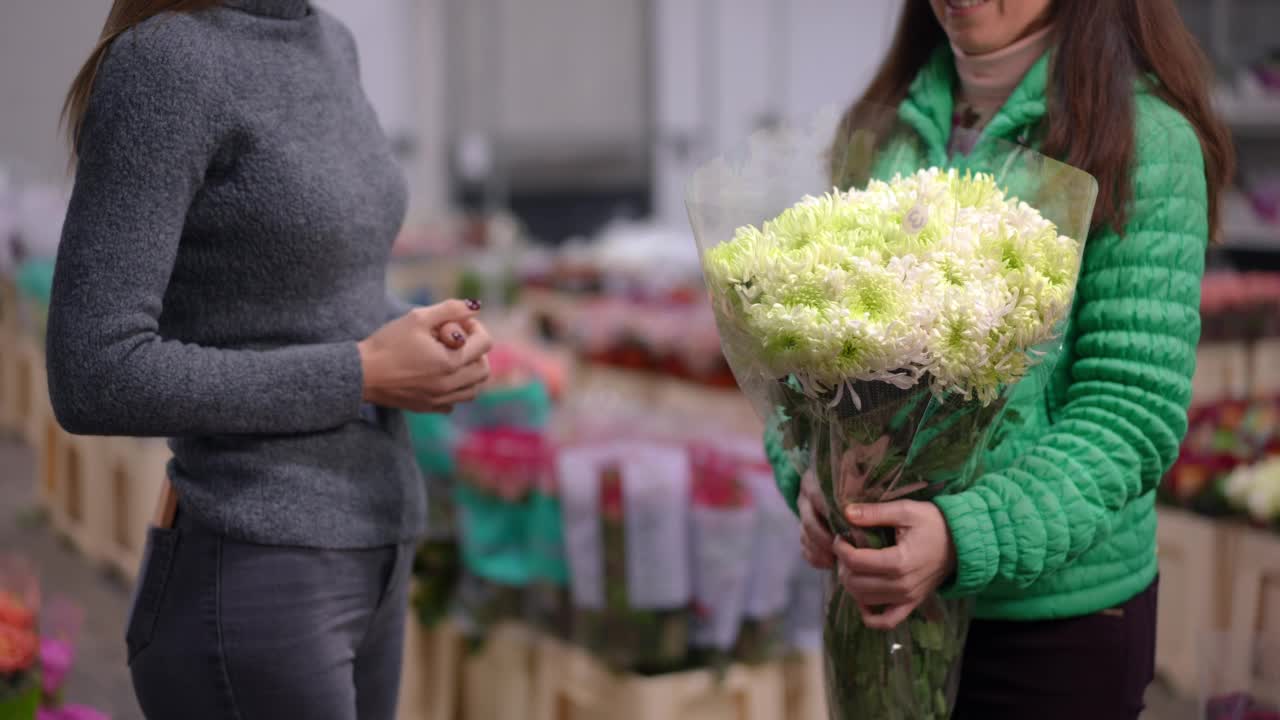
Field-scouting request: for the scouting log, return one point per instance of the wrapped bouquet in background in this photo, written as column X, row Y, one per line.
column 881, row 329
column 497, row 470
column 626, row 524
column 723, row 536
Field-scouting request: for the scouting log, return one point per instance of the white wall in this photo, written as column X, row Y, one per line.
column 401, row 47
column 42, row 44
column 723, row 66
column 558, row 87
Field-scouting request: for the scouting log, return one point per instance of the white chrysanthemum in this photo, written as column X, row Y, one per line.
column 1238, row 486
column 966, row 343
column 1263, row 502
column 934, row 274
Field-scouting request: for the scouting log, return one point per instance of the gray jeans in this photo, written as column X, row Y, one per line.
column 228, row 630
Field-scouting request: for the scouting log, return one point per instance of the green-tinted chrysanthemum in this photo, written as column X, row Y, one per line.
column 975, row 190
column 934, row 274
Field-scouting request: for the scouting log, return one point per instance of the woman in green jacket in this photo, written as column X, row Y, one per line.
column 1056, row 541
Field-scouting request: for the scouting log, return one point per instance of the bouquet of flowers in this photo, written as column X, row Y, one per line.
column 723, row 536
column 20, row 684
column 497, row 470
column 626, row 525
column 882, row 329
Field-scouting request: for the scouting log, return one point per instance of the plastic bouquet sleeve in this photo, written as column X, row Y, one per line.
column 497, row 470
column 723, row 534
column 626, row 516
column 492, row 513
column 881, row 327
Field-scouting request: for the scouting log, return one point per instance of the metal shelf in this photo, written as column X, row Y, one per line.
column 1243, row 229
column 1246, row 113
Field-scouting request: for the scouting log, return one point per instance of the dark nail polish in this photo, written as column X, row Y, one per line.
column 458, row 337
column 473, row 304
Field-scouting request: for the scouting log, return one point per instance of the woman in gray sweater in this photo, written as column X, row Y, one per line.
column 221, row 282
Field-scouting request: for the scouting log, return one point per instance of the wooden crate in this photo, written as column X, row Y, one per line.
column 806, row 687
column 1264, row 368
column 1196, row 568
column 74, row 475
column 725, row 409
column 9, row 350
column 430, row 684
column 497, row 679
column 133, row 475
column 30, row 387
column 8, row 307
column 572, row 685
column 1254, row 660
column 1222, row 373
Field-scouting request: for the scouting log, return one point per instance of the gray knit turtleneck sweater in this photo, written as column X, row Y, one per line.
column 226, row 247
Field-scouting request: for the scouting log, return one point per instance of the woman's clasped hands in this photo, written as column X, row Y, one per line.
column 427, row 360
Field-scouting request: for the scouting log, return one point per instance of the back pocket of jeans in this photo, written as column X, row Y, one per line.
column 153, row 577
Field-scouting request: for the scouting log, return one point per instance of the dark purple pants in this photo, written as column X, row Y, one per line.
column 1095, row 667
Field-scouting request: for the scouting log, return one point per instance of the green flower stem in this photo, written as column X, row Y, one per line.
column 897, row 439
column 626, row 638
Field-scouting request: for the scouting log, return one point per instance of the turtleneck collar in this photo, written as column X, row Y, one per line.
column 283, row 9
column 987, row 80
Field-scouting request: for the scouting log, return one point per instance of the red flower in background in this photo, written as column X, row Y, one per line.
column 611, row 493
column 505, row 462
column 14, row 613
column 716, row 479
column 18, row 649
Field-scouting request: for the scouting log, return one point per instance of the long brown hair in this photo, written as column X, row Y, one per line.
column 124, row 15
column 1102, row 49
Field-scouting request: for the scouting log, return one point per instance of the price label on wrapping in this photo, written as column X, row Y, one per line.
column 775, row 553
column 723, row 540
column 578, row 470
column 656, row 506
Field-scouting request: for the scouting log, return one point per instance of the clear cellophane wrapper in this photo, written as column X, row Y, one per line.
column 877, row 439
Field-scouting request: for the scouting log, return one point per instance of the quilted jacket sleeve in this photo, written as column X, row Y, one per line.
column 1136, row 328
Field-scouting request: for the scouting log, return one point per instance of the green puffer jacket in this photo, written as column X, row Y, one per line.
column 1063, row 523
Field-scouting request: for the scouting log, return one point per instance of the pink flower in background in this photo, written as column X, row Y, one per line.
column 56, row 658
column 60, row 625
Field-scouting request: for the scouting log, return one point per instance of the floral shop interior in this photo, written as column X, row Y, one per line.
column 629, row 195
